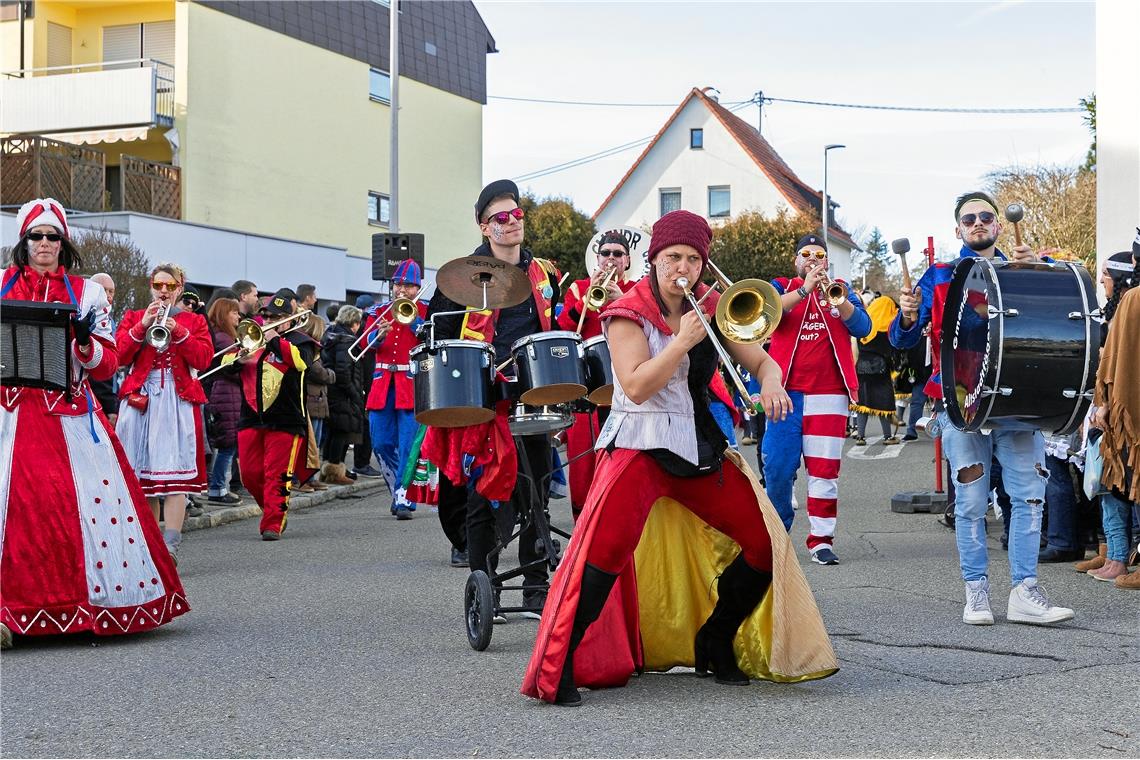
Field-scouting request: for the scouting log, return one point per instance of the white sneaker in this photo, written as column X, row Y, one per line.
column 977, row 610
column 1028, row 604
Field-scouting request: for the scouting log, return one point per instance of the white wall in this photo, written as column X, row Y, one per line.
column 1118, row 126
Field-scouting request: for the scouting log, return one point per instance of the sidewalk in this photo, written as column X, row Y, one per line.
column 216, row 514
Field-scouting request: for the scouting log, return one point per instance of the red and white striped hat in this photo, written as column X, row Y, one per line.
column 42, row 211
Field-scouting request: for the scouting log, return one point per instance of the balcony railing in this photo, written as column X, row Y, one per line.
column 76, row 176
column 98, row 96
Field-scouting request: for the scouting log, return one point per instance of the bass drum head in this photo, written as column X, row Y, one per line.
column 970, row 352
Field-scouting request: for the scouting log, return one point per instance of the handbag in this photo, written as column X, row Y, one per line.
column 138, row 401
column 1094, row 465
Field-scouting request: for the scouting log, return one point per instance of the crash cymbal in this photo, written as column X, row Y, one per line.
column 462, row 281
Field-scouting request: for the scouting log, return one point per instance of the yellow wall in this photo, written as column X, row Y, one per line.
column 280, row 138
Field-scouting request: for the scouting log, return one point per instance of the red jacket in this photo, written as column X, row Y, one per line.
column 191, row 350
column 572, row 308
column 393, row 350
column 100, row 364
column 787, row 335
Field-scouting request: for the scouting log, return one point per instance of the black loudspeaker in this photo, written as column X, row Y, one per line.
column 390, row 248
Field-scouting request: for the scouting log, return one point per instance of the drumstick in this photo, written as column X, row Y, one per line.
column 1014, row 213
column 900, row 247
column 582, row 319
column 503, row 365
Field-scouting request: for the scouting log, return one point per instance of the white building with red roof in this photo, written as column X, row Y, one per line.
column 708, row 160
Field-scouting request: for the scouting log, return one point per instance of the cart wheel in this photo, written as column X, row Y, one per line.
column 479, row 609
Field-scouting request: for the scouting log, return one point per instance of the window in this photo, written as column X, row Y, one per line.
column 378, row 209
column 430, row 48
column 130, row 42
column 379, row 86
column 670, row 200
column 720, row 202
column 696, row 139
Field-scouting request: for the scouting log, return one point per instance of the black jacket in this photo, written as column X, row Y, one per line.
column 346, row 395
column 287, row 413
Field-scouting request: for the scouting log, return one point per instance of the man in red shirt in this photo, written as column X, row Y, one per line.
column 613, row 254
column 813, row 347
column 391, row 398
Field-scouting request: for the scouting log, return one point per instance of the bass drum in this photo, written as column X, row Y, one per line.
column 1018, row 343
column 453, row 383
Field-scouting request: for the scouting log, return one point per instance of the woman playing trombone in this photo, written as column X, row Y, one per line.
column 160, row 422
column 664, row 474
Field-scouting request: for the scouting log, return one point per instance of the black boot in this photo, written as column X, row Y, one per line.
column 596, row 585
column 741, row 589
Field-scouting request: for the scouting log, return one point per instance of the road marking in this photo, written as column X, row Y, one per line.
column 889, row 452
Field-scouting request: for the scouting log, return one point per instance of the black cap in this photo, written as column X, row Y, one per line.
column 188, row 294
column 810, row 239
column 281, row 302
column 493, row 191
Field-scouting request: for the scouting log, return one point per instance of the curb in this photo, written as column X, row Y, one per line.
column 214, row 518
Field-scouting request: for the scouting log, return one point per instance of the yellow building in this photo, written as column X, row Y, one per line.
column 264, row 118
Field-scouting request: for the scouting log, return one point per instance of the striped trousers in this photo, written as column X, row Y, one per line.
column 814, row 431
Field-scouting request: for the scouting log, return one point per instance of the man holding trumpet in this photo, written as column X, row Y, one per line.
column 391, row 330
column 273, row 430
column 812, row 345
column 580, row 314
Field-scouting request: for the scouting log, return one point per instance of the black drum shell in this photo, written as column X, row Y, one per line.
column 550, row 368
column 1048, row 350
column 599, row 370
column 452, row 381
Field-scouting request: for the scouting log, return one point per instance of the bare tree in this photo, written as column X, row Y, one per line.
column 1060, row 209
column 102, row 250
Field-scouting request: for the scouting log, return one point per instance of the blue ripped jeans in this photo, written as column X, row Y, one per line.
column 1022, row 457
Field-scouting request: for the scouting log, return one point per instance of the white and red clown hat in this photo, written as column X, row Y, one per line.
column 42, row 211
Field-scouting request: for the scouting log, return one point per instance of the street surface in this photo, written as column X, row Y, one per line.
column 346, row 639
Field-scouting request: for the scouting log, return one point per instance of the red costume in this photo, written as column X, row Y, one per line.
column 392, row 362
column 81, row 548
column 581, row 435
column 683, row 531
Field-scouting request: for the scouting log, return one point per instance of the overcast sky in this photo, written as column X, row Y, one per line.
column 900, row 171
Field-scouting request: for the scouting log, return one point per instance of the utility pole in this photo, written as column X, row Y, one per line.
column 759, row 98
column 394, row 86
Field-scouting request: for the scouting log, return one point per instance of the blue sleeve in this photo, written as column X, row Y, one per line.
column 859, row 323
column 780, row 284
column 909, row 337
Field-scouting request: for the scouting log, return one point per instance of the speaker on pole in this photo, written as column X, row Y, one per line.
column 390, row 248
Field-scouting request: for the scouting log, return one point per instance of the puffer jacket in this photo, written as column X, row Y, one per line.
column 345, row 394
column 224, row 406
column 317, row 380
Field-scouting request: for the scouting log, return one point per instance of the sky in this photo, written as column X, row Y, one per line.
column 900, row 171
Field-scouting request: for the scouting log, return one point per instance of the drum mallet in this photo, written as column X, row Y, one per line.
column 1014, row 213
column 900, row 247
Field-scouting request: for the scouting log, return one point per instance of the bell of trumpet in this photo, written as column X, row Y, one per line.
column 158, row 334
column 834, row 293
column 598, row 296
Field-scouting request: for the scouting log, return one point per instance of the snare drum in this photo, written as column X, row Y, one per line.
column 599, row 370
column 1018, row 343
column 453, row 383
column 534, row 420
column 550, row 369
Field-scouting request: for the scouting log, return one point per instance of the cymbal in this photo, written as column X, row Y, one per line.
column 462, row 281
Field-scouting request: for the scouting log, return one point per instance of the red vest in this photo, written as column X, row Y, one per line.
column 572, row 301
column 480, row 325
column 787, row 337
column 394, row 349
column 192, row 352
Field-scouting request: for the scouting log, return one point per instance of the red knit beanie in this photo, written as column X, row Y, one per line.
column 681, row 228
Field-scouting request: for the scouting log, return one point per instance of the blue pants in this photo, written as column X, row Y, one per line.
column 1061, row 503
column 220, row 472
column 1022, row 457
column 723, row 419
column 392, row 431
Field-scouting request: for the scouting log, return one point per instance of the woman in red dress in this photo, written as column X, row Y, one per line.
column 80, row 551
column 160, row 409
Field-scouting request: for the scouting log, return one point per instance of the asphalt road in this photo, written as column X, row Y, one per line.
column 346, row 639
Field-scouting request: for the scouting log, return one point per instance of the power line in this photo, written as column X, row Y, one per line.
column 581, row 161
column 592, row 103
column 920, row 109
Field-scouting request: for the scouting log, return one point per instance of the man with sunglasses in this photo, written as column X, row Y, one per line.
column 812, row 344
column 613, row 254
column 1018, row 448
column 500, row 221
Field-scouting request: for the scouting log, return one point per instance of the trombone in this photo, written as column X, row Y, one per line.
column 405, row 310
column 251, row 337
column 158, row 334
column 748, row 312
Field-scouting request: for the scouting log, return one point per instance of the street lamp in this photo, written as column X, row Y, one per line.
column 826, row 201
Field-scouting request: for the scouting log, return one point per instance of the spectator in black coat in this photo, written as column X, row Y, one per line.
column 346, row 396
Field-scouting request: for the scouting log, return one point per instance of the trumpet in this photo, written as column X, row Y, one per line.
column 834, row 293
column 405, row 311
column 598, row 296
column 158, row 334
column 251, row 337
